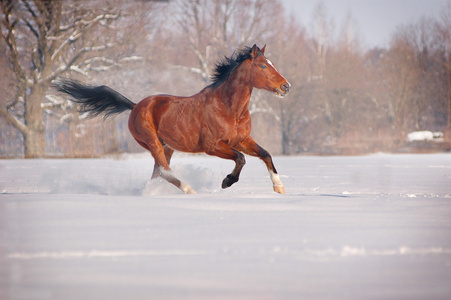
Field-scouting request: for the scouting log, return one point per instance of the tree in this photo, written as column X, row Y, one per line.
column 44, row 40
column 409, row 73
column 320, row 43
column 289, row 51
column 215, row 28
column 443, row 36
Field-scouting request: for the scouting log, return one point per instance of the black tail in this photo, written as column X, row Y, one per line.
column 95, row 99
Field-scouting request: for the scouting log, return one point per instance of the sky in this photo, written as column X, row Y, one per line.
column 376, row 20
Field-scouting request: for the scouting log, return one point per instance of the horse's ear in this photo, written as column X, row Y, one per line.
column 263, row 49
column 254, row 51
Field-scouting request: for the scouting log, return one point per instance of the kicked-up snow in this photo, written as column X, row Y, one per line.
column 367, row 227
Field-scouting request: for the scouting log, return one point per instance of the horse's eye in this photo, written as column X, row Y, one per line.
column 263, row 66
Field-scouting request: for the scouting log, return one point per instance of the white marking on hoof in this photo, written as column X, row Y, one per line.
column 275, row 179
column 277, row 183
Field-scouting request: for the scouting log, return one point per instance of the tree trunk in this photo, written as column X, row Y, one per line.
column 285, row 127
column 35, row 143
column 34, row 138
column 285, row 142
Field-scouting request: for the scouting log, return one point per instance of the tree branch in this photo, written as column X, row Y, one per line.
column 74, row 59
column 10, row 41
column 192, row 70
column 77, row 34
column 12, row 120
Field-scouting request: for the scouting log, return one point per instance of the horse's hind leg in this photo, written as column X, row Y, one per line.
column 168, row 151
column 167, row 174
column 162, row 155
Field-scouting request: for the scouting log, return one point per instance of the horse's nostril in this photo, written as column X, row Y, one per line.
column 285, row 87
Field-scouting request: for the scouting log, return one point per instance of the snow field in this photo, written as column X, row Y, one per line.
column 368, row 227
column 379, row 174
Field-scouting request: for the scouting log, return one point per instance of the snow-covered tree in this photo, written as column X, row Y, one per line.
column 45, row 39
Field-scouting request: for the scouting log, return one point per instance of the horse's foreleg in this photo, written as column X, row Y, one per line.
column 222, row 150
column 250, row 147
column 235, row 175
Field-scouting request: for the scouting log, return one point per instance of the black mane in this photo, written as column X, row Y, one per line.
column 227, row 65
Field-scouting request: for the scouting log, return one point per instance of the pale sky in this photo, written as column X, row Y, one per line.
column 376, row 20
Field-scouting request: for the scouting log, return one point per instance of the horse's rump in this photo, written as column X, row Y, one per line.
column 175, row 120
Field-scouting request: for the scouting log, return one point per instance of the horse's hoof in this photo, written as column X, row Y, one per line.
column 279, row 189
column 228, row 181
column 186, row 189
column 190, row 191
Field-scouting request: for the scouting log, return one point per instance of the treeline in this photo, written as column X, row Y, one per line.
column 345, row 99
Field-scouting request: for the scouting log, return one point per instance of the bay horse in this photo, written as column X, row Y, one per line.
column 215, row 121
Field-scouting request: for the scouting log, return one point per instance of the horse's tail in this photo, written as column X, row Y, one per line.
column 95, row 99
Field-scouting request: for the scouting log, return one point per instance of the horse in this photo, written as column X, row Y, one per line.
column 215, row 121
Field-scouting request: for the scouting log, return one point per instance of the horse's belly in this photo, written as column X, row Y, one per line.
column 180, row 138
column 182, row 146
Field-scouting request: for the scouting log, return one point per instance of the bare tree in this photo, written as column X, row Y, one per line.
column 320, row 43
column 443, row 37
column 215, row 28
column 41, row 38
column 288, row 49
column 321, row 38
column 410, row 76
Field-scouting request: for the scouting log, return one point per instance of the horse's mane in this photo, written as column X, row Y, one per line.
column 227, row 65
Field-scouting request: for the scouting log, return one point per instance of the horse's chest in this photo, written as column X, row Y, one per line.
column 239, row 131
column 243, row 127
column 229, row 129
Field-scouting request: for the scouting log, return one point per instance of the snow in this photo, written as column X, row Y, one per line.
column 425, row 136
column 366, row 227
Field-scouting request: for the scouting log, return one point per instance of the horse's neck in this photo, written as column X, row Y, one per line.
column 236, row 93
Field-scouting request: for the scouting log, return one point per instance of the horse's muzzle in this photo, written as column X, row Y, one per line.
column 285, row 87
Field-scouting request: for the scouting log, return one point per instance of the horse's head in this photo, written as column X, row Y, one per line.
column 265, row 75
